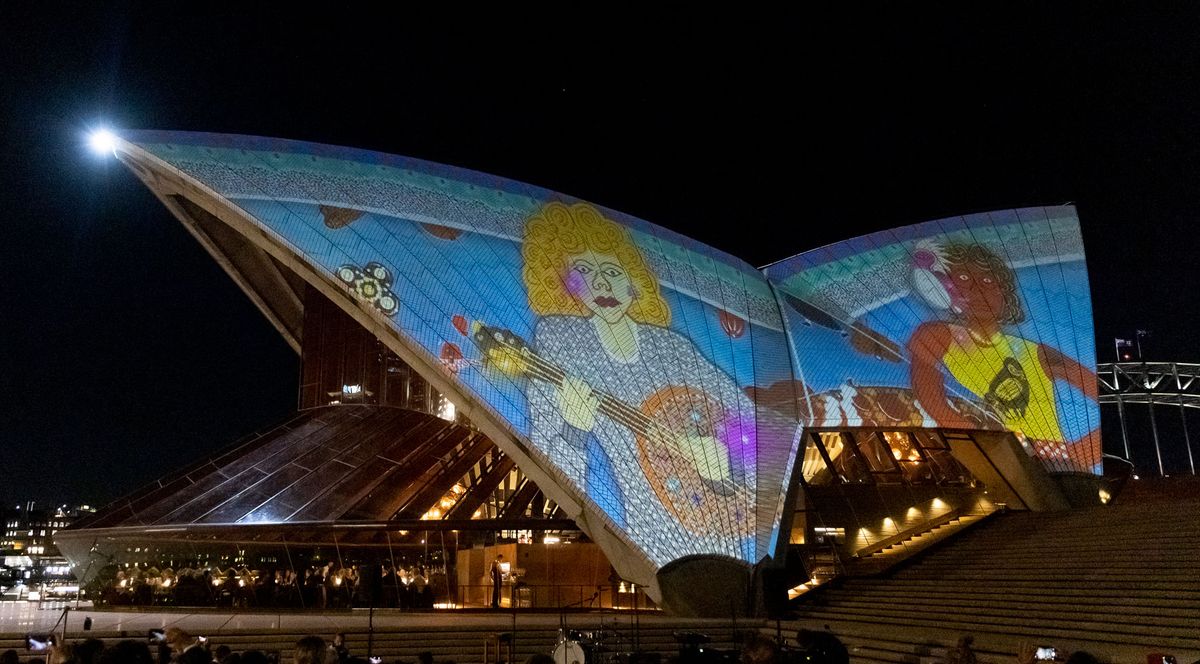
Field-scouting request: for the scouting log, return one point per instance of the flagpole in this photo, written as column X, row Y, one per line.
column 1120, row 401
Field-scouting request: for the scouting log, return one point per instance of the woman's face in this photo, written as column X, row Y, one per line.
column 600, row 282
column 977, row 292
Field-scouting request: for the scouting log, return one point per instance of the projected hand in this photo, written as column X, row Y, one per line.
column 711, row 457
column 578, row 403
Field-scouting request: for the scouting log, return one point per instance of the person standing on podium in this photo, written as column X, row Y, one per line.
column 497, row 577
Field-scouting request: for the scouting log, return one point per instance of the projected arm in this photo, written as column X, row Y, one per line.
column 563, row 410
column 927, row 347
column 1061, row 367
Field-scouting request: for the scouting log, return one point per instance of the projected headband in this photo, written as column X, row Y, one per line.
column 930, row 277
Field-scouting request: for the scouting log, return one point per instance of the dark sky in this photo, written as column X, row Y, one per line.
column 125, row 351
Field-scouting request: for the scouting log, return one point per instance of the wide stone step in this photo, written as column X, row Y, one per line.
column 1076, row 597
column 1049, row 568
column 1083, row 522
column 1124, row 558
column 1054, row 571
column 1182, row 580
column 1034, row 632
column 1166, row 529
column 1096, row 544
column 1166, row 589
column 1099, row 538
column 1008, row 622
column 1171, row 572
column 1064, row 613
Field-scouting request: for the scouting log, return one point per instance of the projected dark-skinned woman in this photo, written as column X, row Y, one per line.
column 1015, row 377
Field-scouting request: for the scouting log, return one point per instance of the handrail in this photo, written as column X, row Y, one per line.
column 923, row 527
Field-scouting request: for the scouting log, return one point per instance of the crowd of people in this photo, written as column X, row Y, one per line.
column 963, row 652
column 179, row 647
column 823, row 647
column 328, row 586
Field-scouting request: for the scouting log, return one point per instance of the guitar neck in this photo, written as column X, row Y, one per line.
column 610, row 406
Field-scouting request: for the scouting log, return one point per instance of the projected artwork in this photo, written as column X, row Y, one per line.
column 974, row 322
column 657, row 382
column 372, row 284
column 976, row 295
column 616, row 388
column 620, row 354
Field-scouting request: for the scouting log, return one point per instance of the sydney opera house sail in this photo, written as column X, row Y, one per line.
column 976, row 322
column 659, row 390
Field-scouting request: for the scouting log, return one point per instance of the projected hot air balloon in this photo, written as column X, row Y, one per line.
column 733, row 325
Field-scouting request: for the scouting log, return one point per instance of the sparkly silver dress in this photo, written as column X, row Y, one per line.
column 664, row 359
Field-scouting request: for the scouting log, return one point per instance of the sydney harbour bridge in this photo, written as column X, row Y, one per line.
column 1154, row 389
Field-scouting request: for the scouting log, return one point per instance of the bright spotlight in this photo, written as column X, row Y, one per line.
column 103, row 141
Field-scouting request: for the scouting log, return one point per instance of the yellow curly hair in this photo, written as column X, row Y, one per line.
column 557, row 232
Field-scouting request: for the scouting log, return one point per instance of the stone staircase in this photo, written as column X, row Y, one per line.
column 910, row 544
column 1120, row 581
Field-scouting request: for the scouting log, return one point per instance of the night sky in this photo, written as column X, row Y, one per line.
column 125, row 352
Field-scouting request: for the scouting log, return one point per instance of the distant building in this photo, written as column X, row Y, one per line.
column 29, row 554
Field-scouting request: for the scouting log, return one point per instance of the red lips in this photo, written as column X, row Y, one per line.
column 607, row 301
